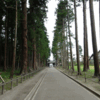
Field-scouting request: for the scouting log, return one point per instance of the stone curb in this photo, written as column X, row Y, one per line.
column 94, row 92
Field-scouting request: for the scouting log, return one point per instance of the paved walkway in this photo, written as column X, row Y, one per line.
column 21, row 91
column 56, row 86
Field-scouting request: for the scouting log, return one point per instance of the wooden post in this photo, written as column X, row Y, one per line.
column 29, row 75
column 2, row 79
column 21, row 79
column 24, row 77
column 17, row 81
column 85, row 76
column 11, row 83
column 2, row 87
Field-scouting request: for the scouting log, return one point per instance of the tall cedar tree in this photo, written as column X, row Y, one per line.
column 94, row 44
column 24, row 37
column 76, row 37
column 86, row 61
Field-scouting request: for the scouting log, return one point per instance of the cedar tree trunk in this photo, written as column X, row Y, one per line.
column 76, row 36
column 24, row 37
column 94, row 44
column 14, row 51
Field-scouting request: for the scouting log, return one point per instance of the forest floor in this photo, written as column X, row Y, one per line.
column 85, row 79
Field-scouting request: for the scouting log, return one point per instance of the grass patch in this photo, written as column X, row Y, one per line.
column 89, row 73
column 91, row 68
column 5, row 75
column 21, row 79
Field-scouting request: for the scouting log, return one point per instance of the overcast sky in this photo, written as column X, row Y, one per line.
column 52, row 18
column 50, row 23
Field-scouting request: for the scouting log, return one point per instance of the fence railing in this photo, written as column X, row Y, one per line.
column 4, row 86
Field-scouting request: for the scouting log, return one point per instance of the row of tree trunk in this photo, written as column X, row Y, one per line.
column 11, row 49
column 94, row 43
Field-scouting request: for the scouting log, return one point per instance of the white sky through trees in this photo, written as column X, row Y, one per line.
column 50, row 23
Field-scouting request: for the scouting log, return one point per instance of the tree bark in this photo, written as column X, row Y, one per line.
column 39, row 60
column 14, row 51
column 67, row 49
column 34, row 54
column 11, row 56
column 63, row 46
column 61, row 57
column 87, row 51
column 76, row 36
column 5, row 52
column 85, row 36
column 94, row 44
column 0, row 41
column 99, row 20
column 24, row 37
column 72, row 66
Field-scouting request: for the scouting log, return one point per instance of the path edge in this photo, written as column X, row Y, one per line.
column 90, row 90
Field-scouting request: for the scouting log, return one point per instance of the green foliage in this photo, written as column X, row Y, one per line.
column 37, row 29
column 80, row 50
column 62, row 13
column 37, row 33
